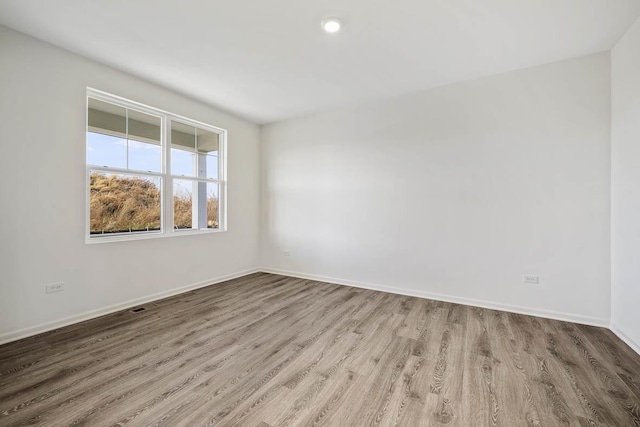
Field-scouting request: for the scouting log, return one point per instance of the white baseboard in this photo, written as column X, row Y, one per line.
column 56, row 324
column 624, row 337
column 567, row 317
column 87, row 315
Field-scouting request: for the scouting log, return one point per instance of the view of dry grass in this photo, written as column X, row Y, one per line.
column 182, row 211
column 123, row 204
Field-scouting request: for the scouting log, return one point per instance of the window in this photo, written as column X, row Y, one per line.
column 151, row 173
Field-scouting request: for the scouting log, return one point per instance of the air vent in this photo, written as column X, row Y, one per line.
column 138, row 310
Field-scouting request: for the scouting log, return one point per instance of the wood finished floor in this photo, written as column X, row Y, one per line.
column 268, row 350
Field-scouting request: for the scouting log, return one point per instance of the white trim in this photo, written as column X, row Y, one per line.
column 144, row 235
column 567, row 317
column 194, row 178
column 624, row 337
column 134, row 172
column 92, row 314
column 56, row 324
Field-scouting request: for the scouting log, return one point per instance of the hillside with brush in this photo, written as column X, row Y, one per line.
column 127, row 204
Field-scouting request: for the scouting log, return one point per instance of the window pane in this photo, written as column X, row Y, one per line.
column 122, row 203
column 213, row 205
column 195, row 204
column 144, row 156
column 144, row 127
column 106, row 150
column 183, row 148
column 183, row 203
column 207, row 144
column 144, row 141
column 106, row 118
column 212, row 167
column 183, row 162
column 183, row 136
column 106, row 137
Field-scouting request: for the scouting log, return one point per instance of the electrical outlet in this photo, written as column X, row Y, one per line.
column 531, row 280
column 54, row 287
column 286, row 252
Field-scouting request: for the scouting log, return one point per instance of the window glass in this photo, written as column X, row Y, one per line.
column 183, row 149
column 144, row 146
column 123, row 203
column 183, row 190
column 106, row 150
column 213, row 205
column 106, row 134
column 107, row 118
column 129, row 188
column 144, row 156
column 207, row 144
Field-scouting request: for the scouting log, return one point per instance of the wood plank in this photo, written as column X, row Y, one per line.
column 270, row 350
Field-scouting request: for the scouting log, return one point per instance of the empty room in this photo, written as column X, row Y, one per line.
column 338, row 213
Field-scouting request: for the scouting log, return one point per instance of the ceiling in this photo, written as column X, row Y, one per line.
column 269, row 60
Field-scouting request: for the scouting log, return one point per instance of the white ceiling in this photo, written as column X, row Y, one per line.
column 268, row 60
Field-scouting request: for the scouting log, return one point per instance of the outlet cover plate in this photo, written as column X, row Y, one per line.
column 54, row 287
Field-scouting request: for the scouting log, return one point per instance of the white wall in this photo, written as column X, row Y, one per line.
column 454, row 192
column 625, row 212
column 42, row 194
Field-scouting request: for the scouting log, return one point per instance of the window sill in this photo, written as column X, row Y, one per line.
column 150, row 235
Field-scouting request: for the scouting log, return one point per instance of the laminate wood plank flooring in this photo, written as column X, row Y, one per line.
column 267, row 350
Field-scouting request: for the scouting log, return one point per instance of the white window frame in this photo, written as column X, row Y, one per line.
column 166, row 190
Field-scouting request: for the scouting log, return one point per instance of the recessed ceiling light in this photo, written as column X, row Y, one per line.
column 331, row 25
